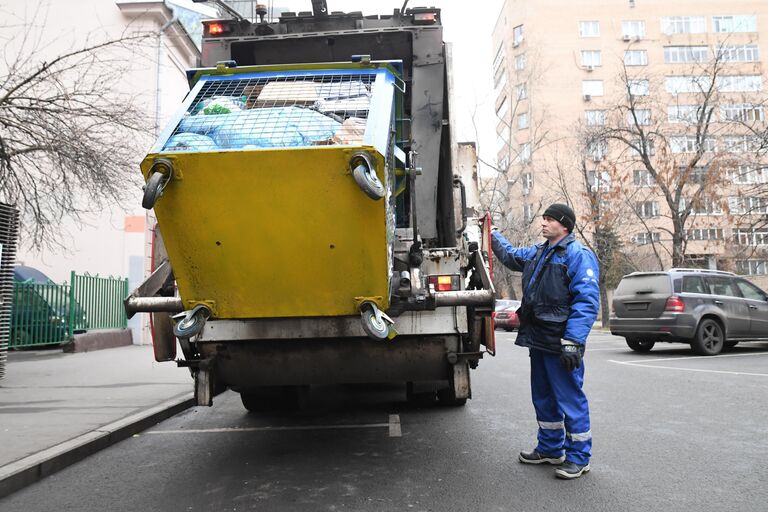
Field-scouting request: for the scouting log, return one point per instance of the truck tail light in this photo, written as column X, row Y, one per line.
column 445, row 283
column 674, row 304
column 425, row 18
column 217, row 28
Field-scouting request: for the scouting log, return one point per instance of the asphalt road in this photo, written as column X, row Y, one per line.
column 671, row 432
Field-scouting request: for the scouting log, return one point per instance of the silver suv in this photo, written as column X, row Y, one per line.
column 709, row 309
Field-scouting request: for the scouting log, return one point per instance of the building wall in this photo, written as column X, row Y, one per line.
column 555, row 105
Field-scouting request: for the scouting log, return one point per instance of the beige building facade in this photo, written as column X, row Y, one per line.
column 573, row 78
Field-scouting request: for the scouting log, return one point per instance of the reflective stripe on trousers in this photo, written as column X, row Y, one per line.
column 561, row 406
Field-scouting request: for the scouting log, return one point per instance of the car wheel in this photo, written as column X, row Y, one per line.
column 640, row 345
column 709, row 339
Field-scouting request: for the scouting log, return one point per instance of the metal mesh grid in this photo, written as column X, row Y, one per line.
column 9, row 232
column 275, row 112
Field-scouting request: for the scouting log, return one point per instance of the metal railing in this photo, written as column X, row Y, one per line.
column 50, row 313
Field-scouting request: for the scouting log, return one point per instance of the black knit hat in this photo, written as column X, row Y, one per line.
column 563, row 214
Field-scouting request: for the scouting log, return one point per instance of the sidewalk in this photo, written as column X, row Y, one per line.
column 57, row 408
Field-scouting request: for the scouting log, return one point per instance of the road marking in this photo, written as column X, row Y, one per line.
column 701, row 358
column 689, row 369
column 393, row 426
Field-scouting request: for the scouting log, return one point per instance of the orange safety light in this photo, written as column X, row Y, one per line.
column 445, row 283
column 425, row 18
column 215, row 29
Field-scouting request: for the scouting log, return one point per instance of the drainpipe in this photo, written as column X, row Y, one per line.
column 158, row 71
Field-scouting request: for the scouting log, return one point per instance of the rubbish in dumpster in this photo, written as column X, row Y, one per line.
column 219, row 105
column 191, row 142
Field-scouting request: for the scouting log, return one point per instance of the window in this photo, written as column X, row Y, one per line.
column 502, row 141
column 599, row 181
column 592, row 87
column 683, row 84
column 740, row 205
column 591, row 58
column 500, row 78
column 645, row 238
column 517, row 35
column 502, row 109
column 594, row 117
column 525, row 152
column 690, row 144
column 683, row 25
column 522, row 91
column 639, row 117
column 642, row 178
column 721, row 286
column 747, row 175
column 739, row 83
column 698, row 174
column 499, row 57
column 683, row 113
column 589, row 28
column 694, row 284
column 734, row 24
column 739, row 53
column 704, row 234
column 675, row 54
column 741, row 143
column 522, row 120
column 750, row 291
column 649, row 147
column 528, row 212
column 633, row 28
column 520, row 62
column 758, row 236
column 647, row 209
column 597, row 150
column 526, row 180
column 638, row 87
column 751, row 267
column 635, row 58
column 701, row 206
column 742, row 112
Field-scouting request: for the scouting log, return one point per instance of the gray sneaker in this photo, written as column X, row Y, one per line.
column 534, row 457
column 571, row 470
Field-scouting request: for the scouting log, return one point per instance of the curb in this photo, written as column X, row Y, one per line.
column 31, row 469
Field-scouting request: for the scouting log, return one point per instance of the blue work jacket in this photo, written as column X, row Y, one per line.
column 563, row 298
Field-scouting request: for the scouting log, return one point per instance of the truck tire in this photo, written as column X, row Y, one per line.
column 640, row 345
column 709, row 338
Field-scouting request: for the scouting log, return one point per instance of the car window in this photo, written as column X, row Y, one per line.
column 644, row 283
column 749, row 290
column 694, row 284
column 722, row 286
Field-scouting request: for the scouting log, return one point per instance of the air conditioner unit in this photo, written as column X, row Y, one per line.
column 587, row 97
column 590, row 68
column 626, row 37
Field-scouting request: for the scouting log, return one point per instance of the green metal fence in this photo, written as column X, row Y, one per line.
column 49, row 313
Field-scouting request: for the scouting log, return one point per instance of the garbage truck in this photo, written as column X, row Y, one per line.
column 317, row 222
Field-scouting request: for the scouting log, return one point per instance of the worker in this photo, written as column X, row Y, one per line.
column 559, row 306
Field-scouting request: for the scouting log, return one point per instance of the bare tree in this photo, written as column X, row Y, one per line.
column 70, row 140
column 679, row 145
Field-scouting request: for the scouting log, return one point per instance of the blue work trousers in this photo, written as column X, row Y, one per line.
column 561, row 407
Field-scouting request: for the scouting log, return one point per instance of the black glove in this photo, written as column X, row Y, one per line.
column 570, row 356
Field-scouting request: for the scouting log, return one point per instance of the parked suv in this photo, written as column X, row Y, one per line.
column 709, row 309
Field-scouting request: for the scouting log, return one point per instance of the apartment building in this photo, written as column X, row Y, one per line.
column 586, row 89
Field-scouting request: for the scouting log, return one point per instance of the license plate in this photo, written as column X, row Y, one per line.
column 636, row 306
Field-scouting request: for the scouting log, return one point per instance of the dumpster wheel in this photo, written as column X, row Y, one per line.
column 376, row 324
column 190, row 323
column 160, row 174
column 363, row 171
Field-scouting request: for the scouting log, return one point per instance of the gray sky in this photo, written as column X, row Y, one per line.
column 470, row 32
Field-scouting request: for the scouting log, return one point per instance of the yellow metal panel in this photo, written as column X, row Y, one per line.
column 274, row 233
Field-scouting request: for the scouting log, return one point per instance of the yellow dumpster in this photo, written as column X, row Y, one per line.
column 272, row 188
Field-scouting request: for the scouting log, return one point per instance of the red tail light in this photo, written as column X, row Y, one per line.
column 445, row 283
column 675, row 304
